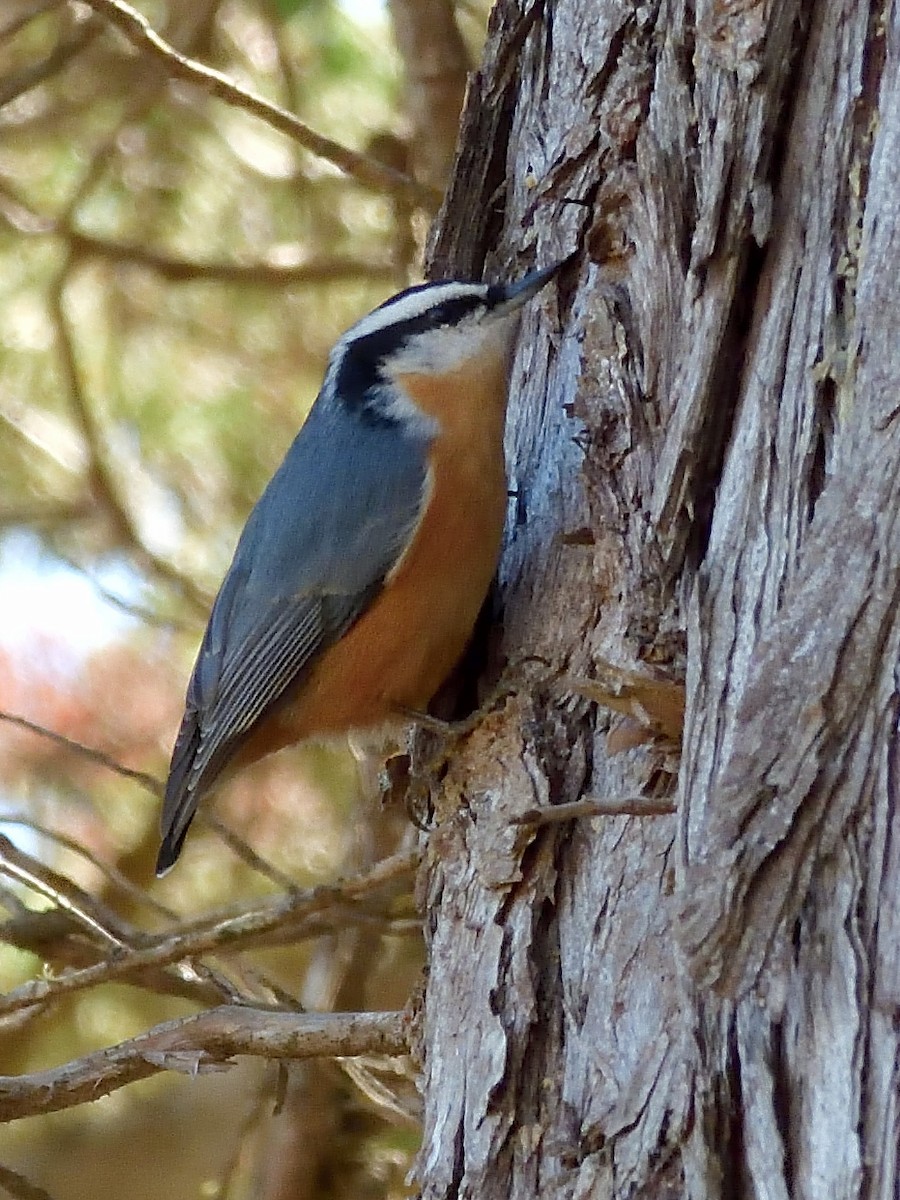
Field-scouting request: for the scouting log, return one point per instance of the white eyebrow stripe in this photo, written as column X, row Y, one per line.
column 408, row 307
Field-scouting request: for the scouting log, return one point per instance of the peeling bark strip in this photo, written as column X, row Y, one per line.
column 803, row 662
column 704, row 444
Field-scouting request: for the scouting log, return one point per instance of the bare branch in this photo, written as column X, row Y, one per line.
column 54, row 937
column 334, row 269
column 366, row 171
column 58, row 935
column 18, row 82
column 85, row 909
column 19, row 216
column 33, row 930
column 116, row 877
column 355, row 889
column 101, row 476
column 80, row 931
column 183, row 945
column 20, row 1187
column 207, row 1041
column 247, row 854
column 557, row 814
column 148, row 782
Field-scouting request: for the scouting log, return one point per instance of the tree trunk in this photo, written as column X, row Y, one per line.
column 704, row 439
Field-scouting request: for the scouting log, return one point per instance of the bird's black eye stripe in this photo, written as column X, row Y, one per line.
column 448, row 312
column 358, row 382
column 495, row 295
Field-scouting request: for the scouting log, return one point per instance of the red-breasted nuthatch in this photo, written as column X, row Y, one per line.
column 360, row 573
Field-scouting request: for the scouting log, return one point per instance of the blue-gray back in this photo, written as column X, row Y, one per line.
column 314, row 553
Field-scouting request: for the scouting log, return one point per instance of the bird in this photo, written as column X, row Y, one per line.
column 362, row 568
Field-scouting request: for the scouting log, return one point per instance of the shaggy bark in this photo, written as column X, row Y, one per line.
column 705, row 445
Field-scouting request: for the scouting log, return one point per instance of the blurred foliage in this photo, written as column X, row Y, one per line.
column 172, row 275
column 196, row 387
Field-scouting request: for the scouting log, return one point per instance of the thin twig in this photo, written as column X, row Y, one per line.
column 197, row 981
column 264, row 274
column 50, row 936
column 101, row 476
column 20, row 1187
column 23, row 219
column 16, row 864
column 138, row 31
column 347, row 895
column 30, row 930
column 203, row 1042
column 17, row 83
column 556, row 814
column 112, row 873
column 656, row 702
column 182, row 945
column 149, row 782
column 330, row 923
column 259, row 922
column 247, row 854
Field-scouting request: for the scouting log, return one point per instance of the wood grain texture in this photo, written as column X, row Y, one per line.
column 704, row 444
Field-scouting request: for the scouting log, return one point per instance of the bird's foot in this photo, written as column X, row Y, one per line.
column 431, row 745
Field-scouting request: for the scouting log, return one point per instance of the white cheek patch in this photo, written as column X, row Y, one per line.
column 449, row 349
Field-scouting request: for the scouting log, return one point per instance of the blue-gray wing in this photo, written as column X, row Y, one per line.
column 332, row 523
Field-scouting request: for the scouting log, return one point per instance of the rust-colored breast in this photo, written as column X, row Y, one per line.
column 403, row 647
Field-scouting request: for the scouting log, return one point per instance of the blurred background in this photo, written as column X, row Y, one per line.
column 173, row 272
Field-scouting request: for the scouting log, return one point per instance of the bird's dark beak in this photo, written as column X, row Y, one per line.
column 516, row 294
